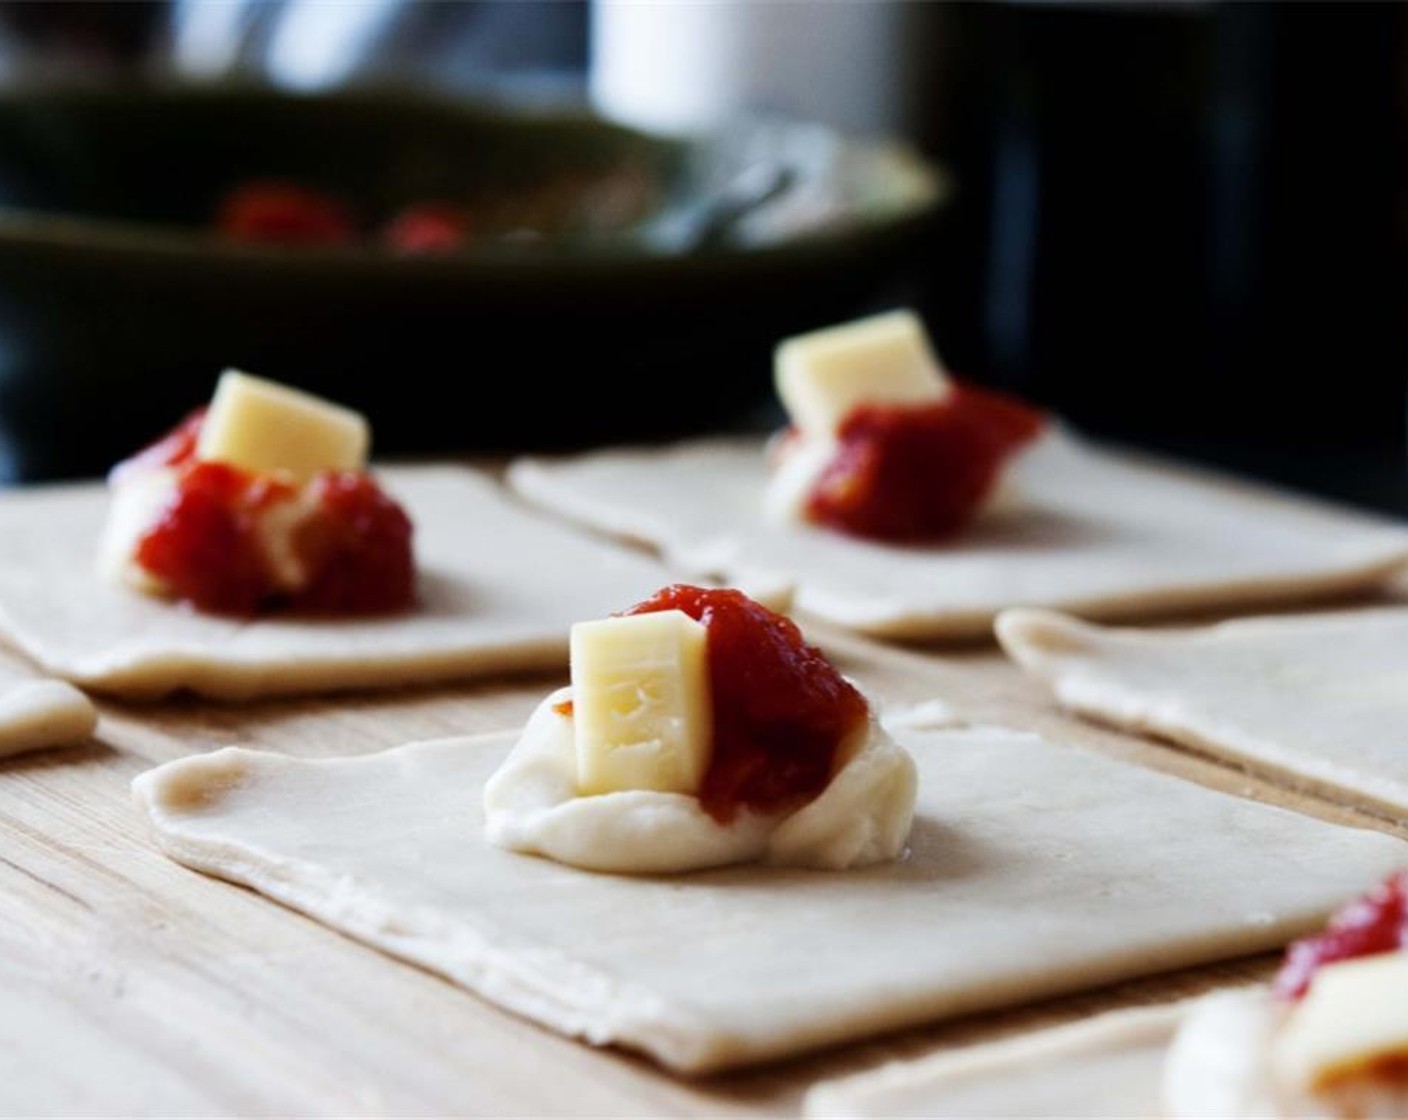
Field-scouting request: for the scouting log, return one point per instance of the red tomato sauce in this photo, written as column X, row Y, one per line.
column 1376, row 923
column 781, row 710
column 271, row 212
column 428, row 227
column 206, row 545
column 359, row 547
column 906, row 472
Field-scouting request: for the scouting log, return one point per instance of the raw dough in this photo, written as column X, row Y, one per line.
column 1109, row 1065
column 35, row 714
column 532, row 804
column 1034, row 869
column 1098, row 534
column 499, row 586
column 1321, row 698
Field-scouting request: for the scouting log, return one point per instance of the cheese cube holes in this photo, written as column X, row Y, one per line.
column 641, row 705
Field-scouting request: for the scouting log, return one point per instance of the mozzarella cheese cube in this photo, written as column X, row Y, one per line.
column 1355, row 1014
column 885, row 359
column 263, row 426
column 642, row 712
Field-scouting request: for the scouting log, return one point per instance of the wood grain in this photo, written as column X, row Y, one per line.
column 133, row 986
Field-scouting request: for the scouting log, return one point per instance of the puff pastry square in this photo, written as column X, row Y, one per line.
column 499, row 587
column 1034, row 869
column 1320, row 699
column 1080, row 529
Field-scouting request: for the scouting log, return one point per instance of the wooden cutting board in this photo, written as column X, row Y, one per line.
column 131, row 985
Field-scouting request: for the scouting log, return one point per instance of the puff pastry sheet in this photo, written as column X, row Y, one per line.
column 1034, row 869
column 1320, row 699
column 37, row 713
column 499, row 587
column 1080, row 529
column 1108, row 1066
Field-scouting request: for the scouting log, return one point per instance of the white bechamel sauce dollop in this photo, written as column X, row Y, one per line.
column 532, row 805
column 797, row 462
column 1219, row 1065
column 1219, row 1062
column 138, row 497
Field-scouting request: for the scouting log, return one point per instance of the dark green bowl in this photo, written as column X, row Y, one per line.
column 118, row 307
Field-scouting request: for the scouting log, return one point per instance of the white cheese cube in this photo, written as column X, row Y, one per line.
column 1355, row 1013
column 641, row 707
column 886, row 359
column 264, row 426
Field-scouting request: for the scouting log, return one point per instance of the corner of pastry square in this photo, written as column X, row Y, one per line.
column 883, row 443
column 701, row 730
column 261, row 501
column 200, row 782
column 1328, row 1039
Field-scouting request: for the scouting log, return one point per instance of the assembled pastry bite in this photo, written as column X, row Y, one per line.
column 1329, row 1040
column 259, row 502
column 903, row 505
column 1033, row 868
column 883, row 444
column 701, row 730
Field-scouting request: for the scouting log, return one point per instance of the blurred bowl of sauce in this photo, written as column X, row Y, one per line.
column 476, row 277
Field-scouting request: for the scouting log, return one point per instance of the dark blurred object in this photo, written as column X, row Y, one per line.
column 1184, row 225
column 118, row 305
column 83, row 33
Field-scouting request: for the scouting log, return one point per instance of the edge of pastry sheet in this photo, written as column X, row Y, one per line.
column 534, row 480
column 522, row 979
column 545, row 983
column 866, row 1094
column 1047, row 646
column 232, row 680
column 38, row 714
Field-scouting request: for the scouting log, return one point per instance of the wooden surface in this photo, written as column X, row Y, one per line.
column 133, row 986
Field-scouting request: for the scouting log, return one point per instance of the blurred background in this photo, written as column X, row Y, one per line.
column 502, row 224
